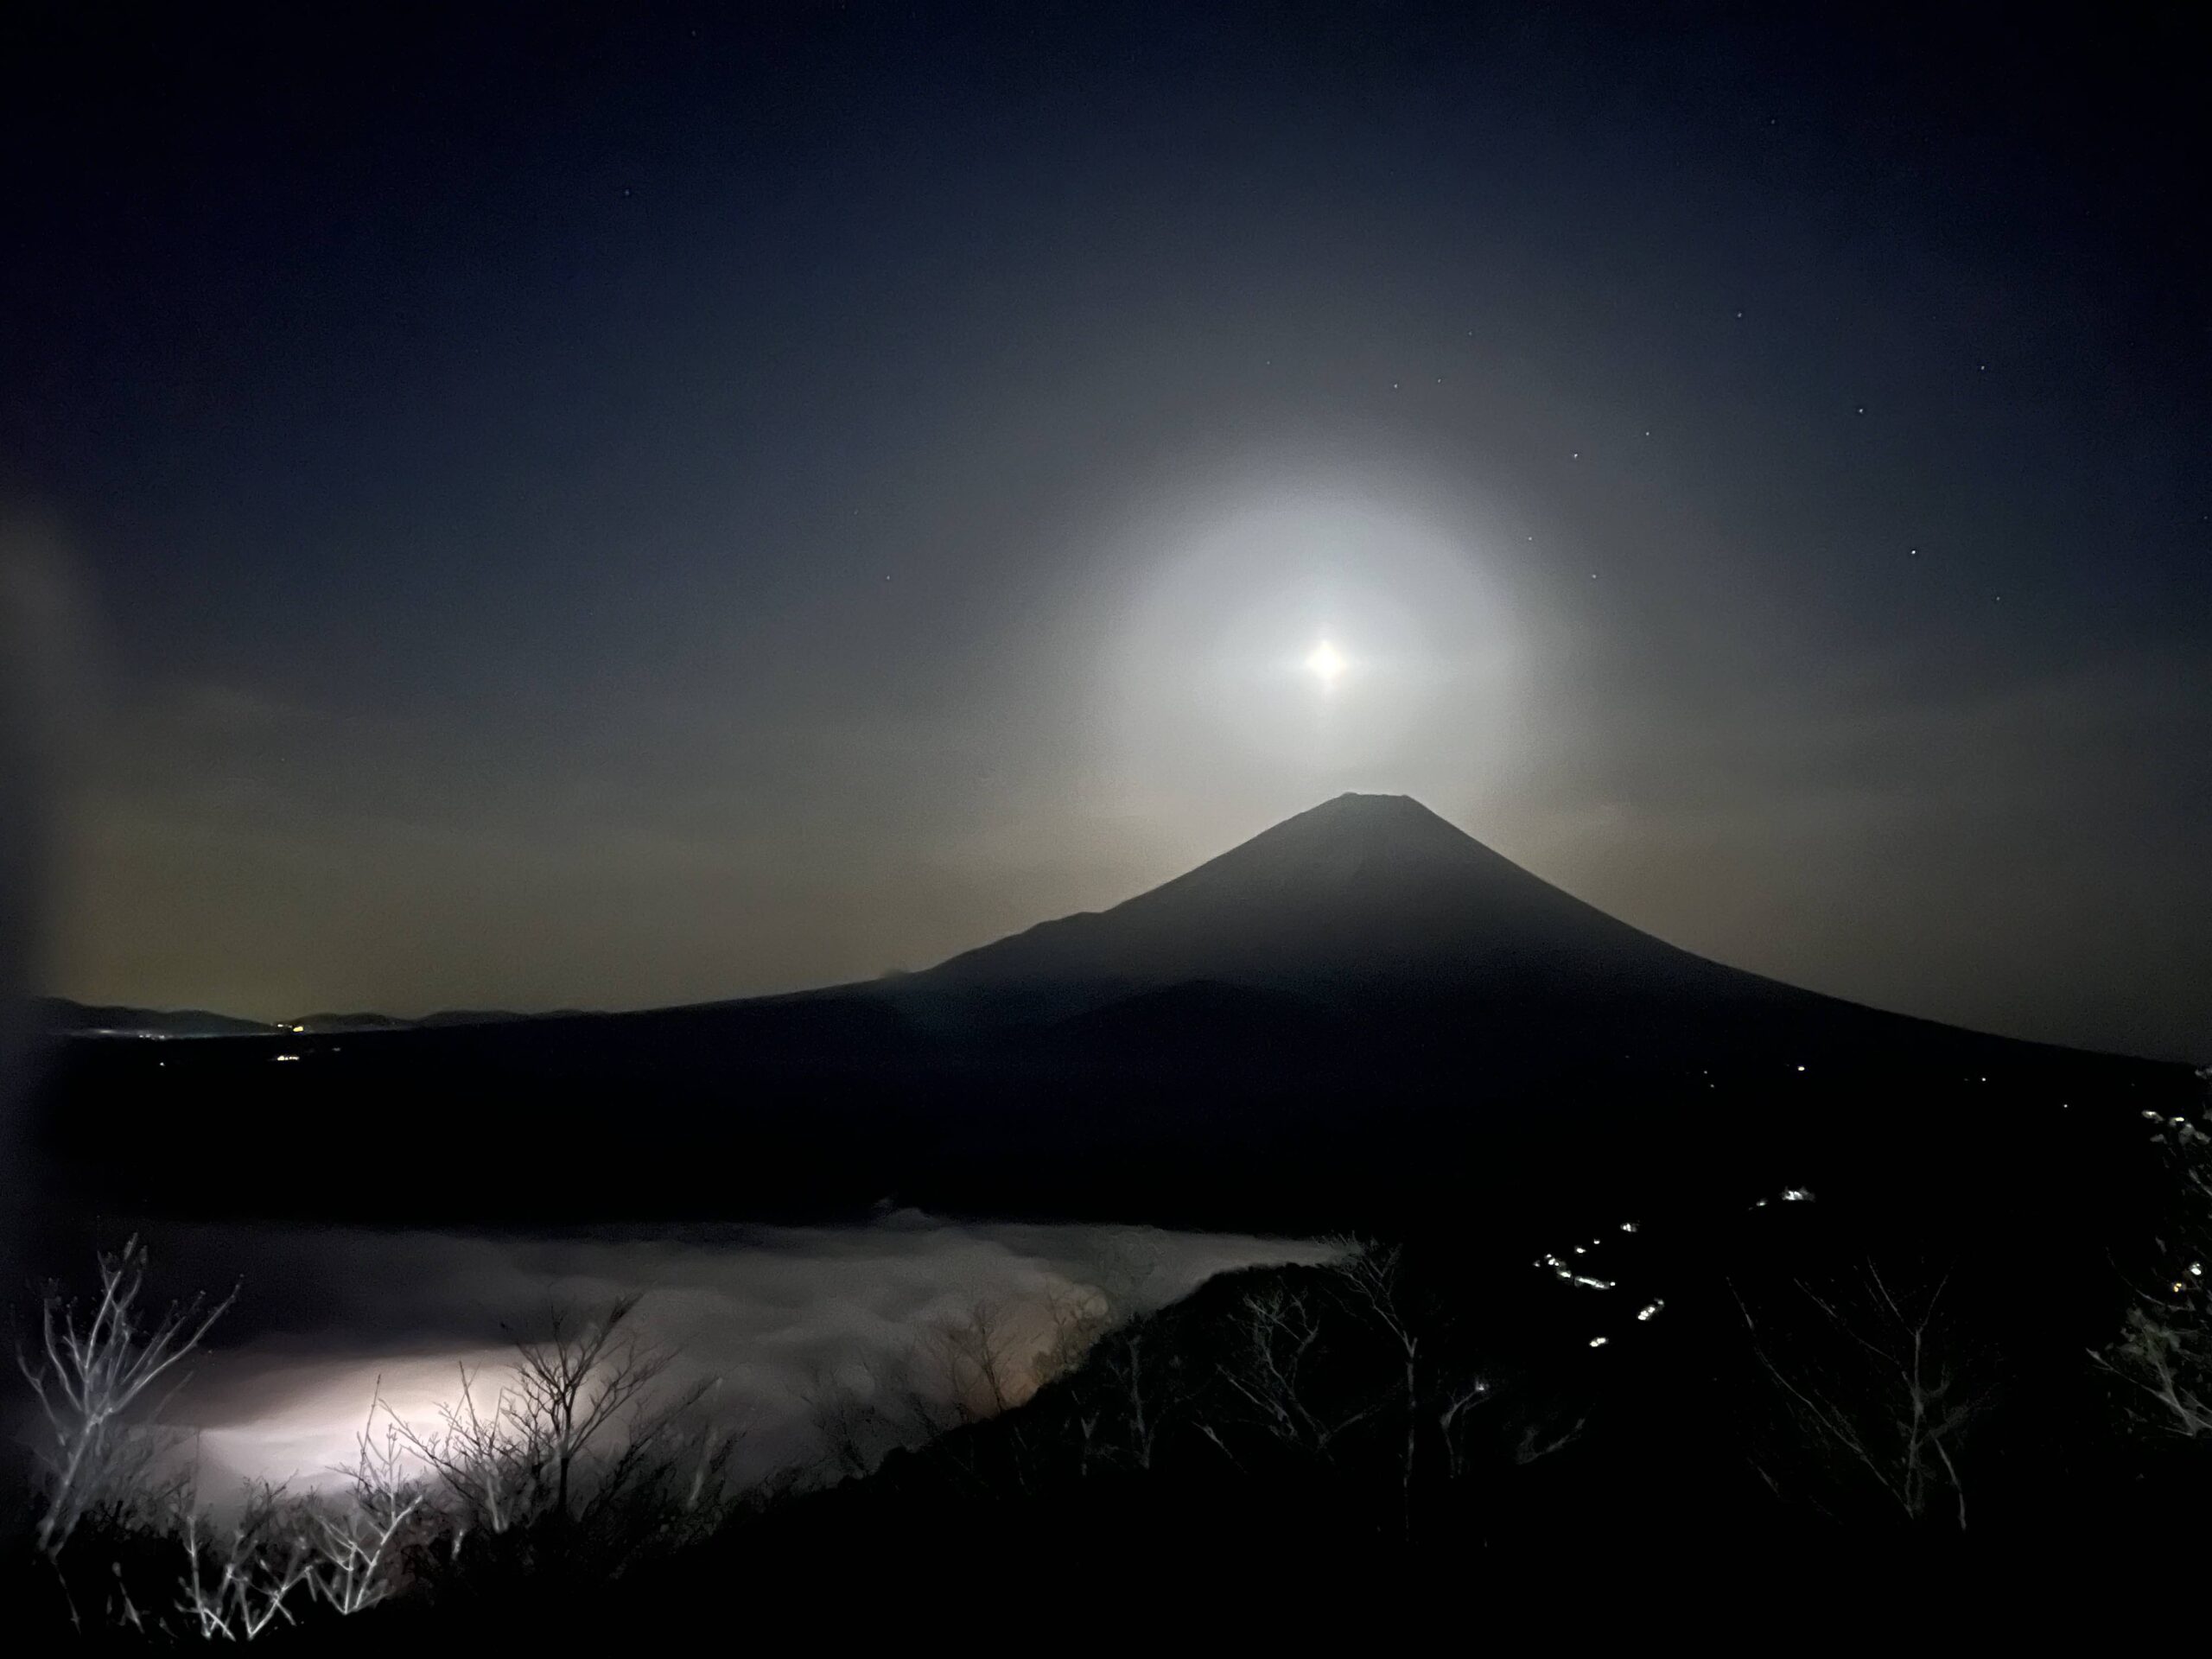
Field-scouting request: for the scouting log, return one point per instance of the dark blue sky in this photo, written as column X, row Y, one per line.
column 606, row 509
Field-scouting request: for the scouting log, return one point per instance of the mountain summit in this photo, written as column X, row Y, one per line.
column 1363, row 892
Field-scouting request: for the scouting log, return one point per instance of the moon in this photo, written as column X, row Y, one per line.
column 1326, row 663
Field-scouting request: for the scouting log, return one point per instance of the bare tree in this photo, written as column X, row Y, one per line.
column 1436, row 1387
column 1371, row 1273
column 93, row 1372
column 575, row 1438
column 1454, row 1404
column 980, row 1358
column 1093, row 1326
column 2164, row 1353
column 1142, row 1391
column 853, row 1429
column 486, row 1463
column 587, row 1374
column 902, row 1399
column 354, row 1538
column 1876, row 1389
column 1540, row 1438
column 1078, row 1316
column 1278, row 1334
column 239, row 1580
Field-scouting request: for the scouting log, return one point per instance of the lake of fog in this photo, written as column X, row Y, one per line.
column 327, row 1321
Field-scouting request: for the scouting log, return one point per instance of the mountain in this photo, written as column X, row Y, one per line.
column 1362, row 891
column 1363, row 901
column 1359, row 1009
column 1375, row 928
column 60, row 1016
column 324, row 1024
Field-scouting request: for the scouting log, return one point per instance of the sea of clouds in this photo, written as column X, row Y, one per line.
column 328, row 1320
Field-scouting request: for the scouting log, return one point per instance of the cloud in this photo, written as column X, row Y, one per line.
column 326, row 1318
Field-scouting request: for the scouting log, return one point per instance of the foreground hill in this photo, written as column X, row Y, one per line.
column 1357, row 1009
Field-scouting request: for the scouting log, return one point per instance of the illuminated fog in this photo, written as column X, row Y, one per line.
column 327, row 1319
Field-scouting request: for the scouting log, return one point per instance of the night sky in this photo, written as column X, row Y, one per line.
column 548, row 512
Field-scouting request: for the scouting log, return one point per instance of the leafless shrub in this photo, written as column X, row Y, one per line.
column 1876, row 1389
column 893, row 1401
column 1078, row 1316
column 1142, row 1388
column 2164, row 1352
column 2163, row 1357
column 1372, row 1274
column 1278, row 1336
column 1127, row 1381
column 991, row 1357
column 979, row 1360
column 354, row 1536
column 581, row 1443
column 94, row 1373
column 239, row 1580
column 1437, row 1390
column 1454, row 1403
column 1539, row 1439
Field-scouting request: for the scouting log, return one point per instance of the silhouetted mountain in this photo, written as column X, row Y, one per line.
column 1374, row 925
column 1363, row 895
column 1361, row 1009
column 61, row 1017
column 334, row 1022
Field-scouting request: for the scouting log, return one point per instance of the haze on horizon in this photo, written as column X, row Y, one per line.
column 631, row 511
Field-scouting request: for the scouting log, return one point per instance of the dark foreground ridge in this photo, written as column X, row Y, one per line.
column 1360, row 1009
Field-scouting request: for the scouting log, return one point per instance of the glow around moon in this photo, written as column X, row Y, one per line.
column 1295, row 637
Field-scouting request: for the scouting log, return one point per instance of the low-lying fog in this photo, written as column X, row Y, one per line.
column 329, row 1319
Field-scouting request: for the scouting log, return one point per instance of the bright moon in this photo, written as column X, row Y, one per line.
column 1325, row 663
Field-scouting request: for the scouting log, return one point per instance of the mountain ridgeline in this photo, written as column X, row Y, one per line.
column 1359, row 1010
